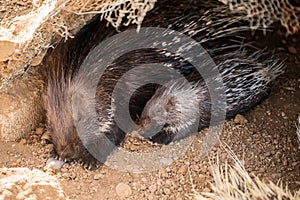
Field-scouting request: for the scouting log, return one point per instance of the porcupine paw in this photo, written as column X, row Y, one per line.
column 89, row 162
column 86, row 160
column 163, row 137
column 56, row 156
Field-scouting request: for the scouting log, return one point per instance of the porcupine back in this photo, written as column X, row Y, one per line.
column 248, row 80
column 209, row 23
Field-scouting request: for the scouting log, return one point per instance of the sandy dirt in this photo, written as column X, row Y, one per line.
column 263, row 138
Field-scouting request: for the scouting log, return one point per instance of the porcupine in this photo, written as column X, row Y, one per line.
column 211, row 24
column 176, row 106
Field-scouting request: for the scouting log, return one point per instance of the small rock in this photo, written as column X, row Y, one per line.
column 168, row 182
column 206, row 189
column 14, row 164
column 167, row 191
column 151, row 197
column 123, row 190
column 72, row 176
column 166, row 161
column 261, row 170
column 98, row 176
column 144, row 180
column 182, row 170
column 152, row 188
column 23, row 141
column 54, row 164
column 39, row 131
column 3, row 170
column 134, row 185
column 143, row 187
column 240, row 119
column 164, row 173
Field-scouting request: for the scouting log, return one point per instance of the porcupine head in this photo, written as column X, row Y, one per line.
column 173, row 110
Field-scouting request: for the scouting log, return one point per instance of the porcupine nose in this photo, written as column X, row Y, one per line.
column 148, row 127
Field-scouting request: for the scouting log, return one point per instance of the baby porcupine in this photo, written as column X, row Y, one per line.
column 211, row 24
column 176, row 106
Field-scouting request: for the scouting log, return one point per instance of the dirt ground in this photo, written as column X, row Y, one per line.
column 263, row 138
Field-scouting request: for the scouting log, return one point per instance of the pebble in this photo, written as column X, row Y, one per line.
column 168, row 182
column 182, row 170
column 54, row 164
column 168, row 169
column 201, row 177
column 39, row 131
column 166, row 161
column 164, row 173
column 206, row 189
column 151, row 197
column 23, row 141
column 123, row 190
column 98, row 176
column 152, row 188
column 144, row 180
column 240, row 119
column 3, row 170
column 72, row 175
column 167, row 191
column 143, row 187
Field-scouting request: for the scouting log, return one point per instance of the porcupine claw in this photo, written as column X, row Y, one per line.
column 90, row 166
column 90, row 163
column 54, row 154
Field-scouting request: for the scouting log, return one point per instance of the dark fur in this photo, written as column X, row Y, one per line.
column 217, row 27
column 62, row 64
